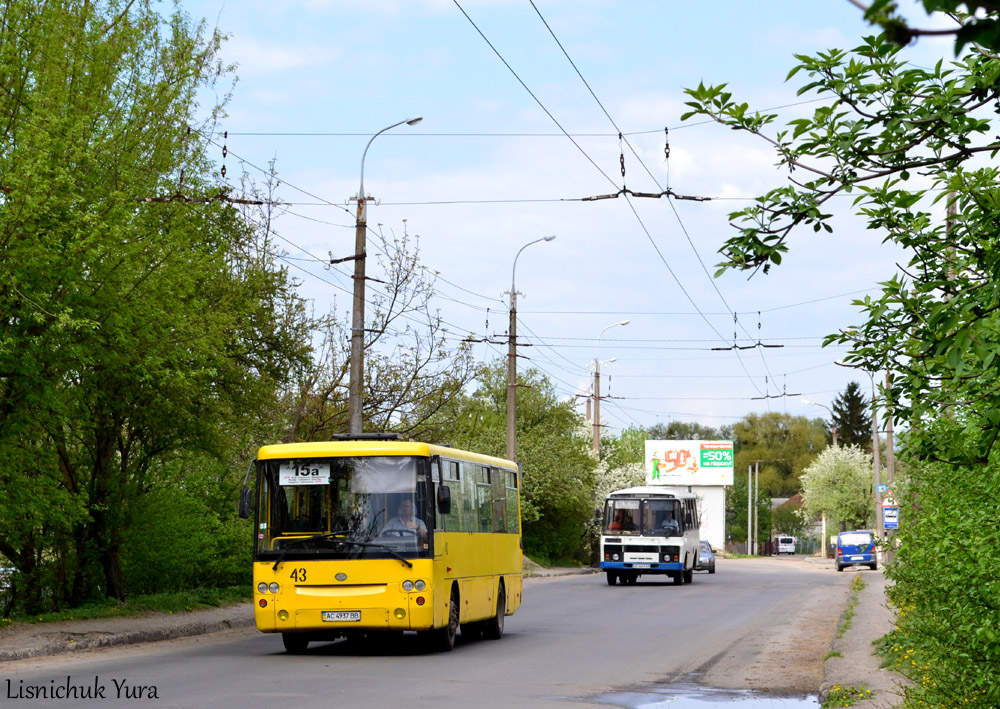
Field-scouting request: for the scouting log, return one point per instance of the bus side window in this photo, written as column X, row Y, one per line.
column 499, row 494
column 470, row 517
column 513, row 523
column 451, row 522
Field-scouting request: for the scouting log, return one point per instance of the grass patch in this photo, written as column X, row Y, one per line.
column 178, row 602
column 832, row 653
column 856, row 586
column 845, row 696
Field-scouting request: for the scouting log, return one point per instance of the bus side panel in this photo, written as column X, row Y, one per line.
column 477, row 561
column 510, row 564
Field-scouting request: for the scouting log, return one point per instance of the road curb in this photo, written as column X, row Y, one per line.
column 42, row 641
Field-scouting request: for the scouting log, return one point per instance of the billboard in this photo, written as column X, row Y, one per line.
column 689, row 462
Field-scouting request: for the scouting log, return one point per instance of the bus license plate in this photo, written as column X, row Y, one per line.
column 640, row 566
column 341, row 616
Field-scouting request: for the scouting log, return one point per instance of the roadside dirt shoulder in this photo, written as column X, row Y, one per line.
column 783, row 653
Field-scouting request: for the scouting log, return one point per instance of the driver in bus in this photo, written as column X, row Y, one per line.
column 405, row 523
column 669, row 523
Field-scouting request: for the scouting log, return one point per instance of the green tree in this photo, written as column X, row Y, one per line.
column 739, row 507
column 554, row 451
column 851, row 418
column 136, row 323
column 685, row 431
column 788, row 519
column 779, row 447
column 840, row 483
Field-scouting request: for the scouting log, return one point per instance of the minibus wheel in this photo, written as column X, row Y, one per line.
column 612, row 578
column 494, row 626
column 295, row 643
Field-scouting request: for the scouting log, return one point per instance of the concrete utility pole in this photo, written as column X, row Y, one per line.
column 597, row 386
column 512, row 359
column 356, row 385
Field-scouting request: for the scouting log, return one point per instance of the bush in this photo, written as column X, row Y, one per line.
column 947, row 581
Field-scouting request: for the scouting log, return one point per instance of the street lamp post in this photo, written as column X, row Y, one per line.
column 876, row 455
column 512, row 359
column 356, row 386
column 597, row 386
column 833, row 423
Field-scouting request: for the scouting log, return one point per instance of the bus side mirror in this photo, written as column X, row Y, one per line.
column 444, row 499
column 246, row 502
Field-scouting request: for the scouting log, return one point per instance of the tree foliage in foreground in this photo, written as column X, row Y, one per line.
column 916, row 147
column 947, row 578
column 137, row 335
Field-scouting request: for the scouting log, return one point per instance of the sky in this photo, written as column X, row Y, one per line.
column 490, row 169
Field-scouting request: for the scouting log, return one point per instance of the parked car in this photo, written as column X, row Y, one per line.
column 706, row 557
column 785, row 545
column 855, row 548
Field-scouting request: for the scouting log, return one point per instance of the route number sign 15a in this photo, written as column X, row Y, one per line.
column 304, row 473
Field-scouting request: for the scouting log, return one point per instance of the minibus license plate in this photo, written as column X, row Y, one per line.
column 341, row 616
column 640, row 566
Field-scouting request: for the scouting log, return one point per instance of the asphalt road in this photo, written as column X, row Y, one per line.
column 575, row 642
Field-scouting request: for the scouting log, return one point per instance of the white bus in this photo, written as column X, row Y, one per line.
column 650, row 530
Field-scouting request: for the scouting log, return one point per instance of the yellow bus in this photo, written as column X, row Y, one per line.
column 372, row 534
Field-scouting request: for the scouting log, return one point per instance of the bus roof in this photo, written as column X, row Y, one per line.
column 347, row 448
column 651, row 491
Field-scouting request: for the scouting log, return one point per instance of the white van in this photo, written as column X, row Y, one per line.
column 786, row 545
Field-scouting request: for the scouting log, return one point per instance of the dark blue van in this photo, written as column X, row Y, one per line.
column 856, row 547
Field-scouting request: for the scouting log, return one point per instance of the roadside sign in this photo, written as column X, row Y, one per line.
column 881, row 489
column 890, row 518
column 890, row 500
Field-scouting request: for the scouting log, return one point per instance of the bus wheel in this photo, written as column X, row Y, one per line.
column 612, row 578
column 689, row 576
column 443, row 639
column 295, row 644
column 494, row 626
column 678, row 578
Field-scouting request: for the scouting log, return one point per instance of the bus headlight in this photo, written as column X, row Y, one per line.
column 420, row 585
column 274, row 587
column 407, row 585
column 615, row 557
column 262, row 587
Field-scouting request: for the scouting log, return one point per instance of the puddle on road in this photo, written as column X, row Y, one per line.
column 693, row 696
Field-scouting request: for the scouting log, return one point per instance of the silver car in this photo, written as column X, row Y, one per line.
column 706, row 557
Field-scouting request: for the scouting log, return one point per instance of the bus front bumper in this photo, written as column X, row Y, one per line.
column 641, row 566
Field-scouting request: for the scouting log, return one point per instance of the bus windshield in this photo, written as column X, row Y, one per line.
column 342, row 507
column 651, row 517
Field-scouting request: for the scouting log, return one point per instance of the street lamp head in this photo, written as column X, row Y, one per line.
column 549, row 238
column 624, row 322
column 414, row 121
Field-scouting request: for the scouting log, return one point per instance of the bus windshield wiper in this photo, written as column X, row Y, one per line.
column 384, row 547
column 303, row 540
column 329, row 535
